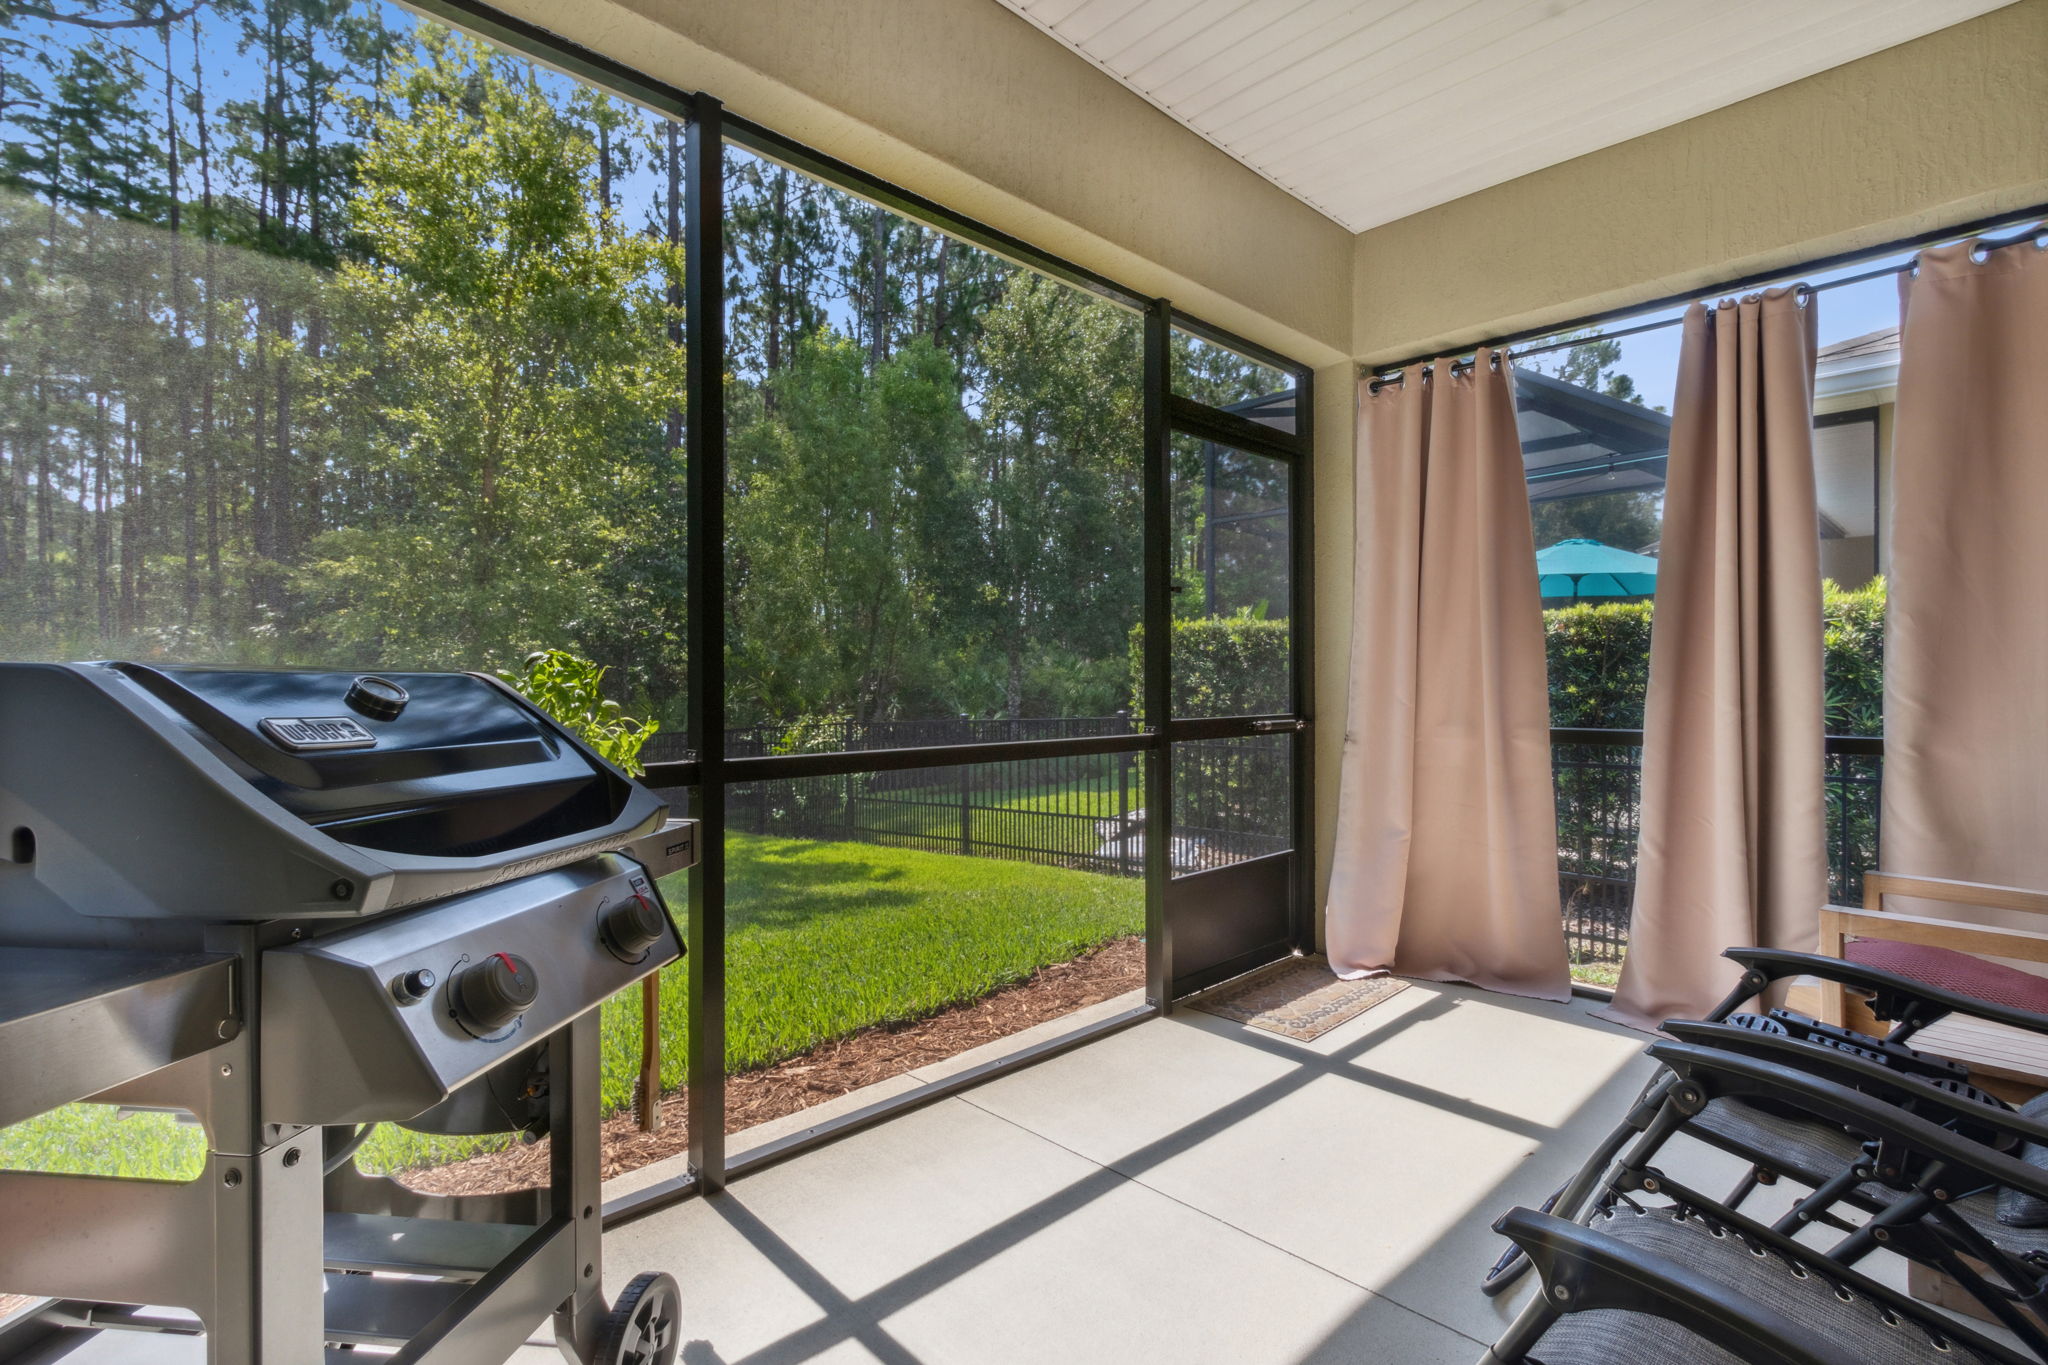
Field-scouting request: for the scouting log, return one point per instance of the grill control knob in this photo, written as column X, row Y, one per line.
column 631, row 927
column 494, row 992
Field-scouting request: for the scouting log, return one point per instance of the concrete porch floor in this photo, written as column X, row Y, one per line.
column 1188, row 1189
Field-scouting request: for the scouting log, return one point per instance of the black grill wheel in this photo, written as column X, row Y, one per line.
column 645, row 1324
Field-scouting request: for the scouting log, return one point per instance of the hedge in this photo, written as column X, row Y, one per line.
column 1600, row 661
column 1222, row 666
column 1599, row 658
column 1599, row 664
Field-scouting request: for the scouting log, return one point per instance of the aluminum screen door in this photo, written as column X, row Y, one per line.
column 1237, row 728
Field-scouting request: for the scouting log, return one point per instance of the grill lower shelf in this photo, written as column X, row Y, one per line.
column 365, row 1310
column 437, row 1247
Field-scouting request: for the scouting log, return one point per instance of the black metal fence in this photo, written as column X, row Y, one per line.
column 1233, row 800
column 1065, row 812
column 1599, row 802
column 1086, row 811
column 1599, row 805
column 842, row 734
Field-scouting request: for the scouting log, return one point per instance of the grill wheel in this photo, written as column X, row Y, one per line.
column 645, row 1325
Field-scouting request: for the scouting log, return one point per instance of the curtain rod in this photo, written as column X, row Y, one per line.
column 1388, row 374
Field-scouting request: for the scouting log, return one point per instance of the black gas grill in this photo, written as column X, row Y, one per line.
column 296, row 904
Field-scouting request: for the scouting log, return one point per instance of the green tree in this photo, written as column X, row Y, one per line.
column 1057, row 478
column 1631, row 521
column 831, row 579
column 506, row 364
column 1221, row 378
column 779, row 238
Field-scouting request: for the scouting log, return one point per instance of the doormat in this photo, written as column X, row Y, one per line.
column 1299, row 998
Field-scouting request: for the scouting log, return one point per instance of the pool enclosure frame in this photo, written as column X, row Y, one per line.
column 706, row 130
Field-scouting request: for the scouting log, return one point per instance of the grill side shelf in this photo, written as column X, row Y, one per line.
column 76, row 1021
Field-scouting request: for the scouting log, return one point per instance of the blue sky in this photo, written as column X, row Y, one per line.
column 1651, row 358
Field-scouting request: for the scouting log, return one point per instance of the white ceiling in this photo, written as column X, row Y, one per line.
column 1370, row 110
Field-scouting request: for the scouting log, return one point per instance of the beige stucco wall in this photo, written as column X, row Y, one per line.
column 1948, row 128
column 967, row 104
column 1945, row 128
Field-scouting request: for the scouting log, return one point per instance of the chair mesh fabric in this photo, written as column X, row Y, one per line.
column 1870, row 1331
column 1954, row 971
column 1801, row 1148
column 1814, row 1152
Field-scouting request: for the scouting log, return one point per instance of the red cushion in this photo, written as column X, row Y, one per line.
column 1954, row 971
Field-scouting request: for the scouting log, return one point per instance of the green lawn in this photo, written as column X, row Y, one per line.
column 1014, row 821
column 1597, row 973
column 822, row 939
column 1081, row 798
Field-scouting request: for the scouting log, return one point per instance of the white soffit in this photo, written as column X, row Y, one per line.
column 1370, row 110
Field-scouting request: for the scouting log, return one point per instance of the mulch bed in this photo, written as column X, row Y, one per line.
column 825, row 1072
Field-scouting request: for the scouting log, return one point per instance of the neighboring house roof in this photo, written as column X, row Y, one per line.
column 1577, row 442
column 1861, row 365
column 1883, row 340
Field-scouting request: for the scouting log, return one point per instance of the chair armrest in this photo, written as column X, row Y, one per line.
column 1706, row 1074
column 1892, row 996
column 1878, row 885
column 1881, row 1082
column 1987, row 940
column 1584, row 1270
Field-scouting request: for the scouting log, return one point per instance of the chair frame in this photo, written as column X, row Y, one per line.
column 1631, row 1279
column 1583, row 1270
column 1665, row 1108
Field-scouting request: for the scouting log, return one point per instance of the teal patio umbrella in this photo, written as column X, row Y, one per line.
column 1586, row 568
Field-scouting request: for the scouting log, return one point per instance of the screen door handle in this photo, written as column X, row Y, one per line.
column 1277, row 727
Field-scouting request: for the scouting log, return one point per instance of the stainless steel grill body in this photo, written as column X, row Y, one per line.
column 289, row 903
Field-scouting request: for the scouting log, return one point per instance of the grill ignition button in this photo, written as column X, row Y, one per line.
column 494, row 992
column 413, row 986
column 631, row 927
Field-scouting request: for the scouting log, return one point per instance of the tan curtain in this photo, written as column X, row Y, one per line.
column 1966, row 653
column 1445, row 865
column 1732, row 845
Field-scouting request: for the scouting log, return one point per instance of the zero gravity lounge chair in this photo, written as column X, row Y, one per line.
column 1659, row 1272
column 1860, row 1185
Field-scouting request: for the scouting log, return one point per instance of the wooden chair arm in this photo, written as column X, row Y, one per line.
column 1878, row 885
column 1838, row 924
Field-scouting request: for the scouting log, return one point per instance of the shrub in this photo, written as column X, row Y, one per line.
column 569, row 689
column 1600, row 661
column 1599, row 664
column 1853, row 619
column 1222, row 666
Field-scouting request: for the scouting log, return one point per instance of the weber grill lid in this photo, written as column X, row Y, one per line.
column 274, row 793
